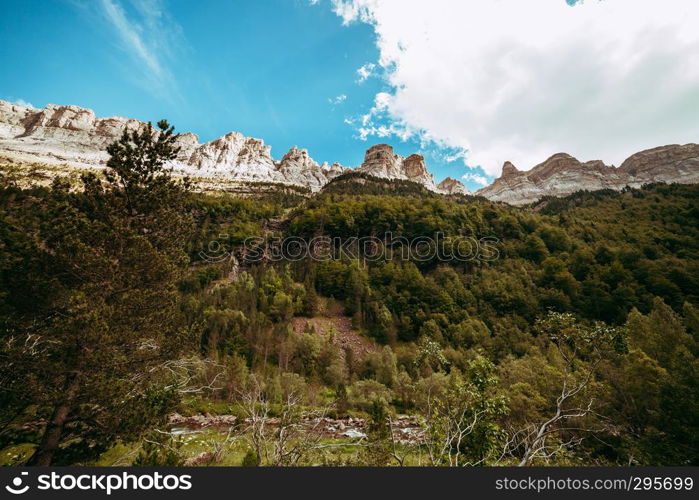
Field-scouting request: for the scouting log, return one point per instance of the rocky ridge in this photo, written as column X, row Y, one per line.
column 72, row 136
column 562, row 174
column 452, row 186
column 75, row 137
column 381, row 161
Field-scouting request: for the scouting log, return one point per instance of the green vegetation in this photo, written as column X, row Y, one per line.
column 89, row 302
column 577, row 345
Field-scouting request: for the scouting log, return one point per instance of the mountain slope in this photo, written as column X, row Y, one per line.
column 561, row 174
column 74, row 137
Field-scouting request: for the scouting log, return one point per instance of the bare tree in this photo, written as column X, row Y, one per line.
column 190, row 375
column 581, row 349
column 256, row 409
column 297, row 433
column 459, row 409
column 286, row 440
column 397, row 453
column 448, row 425
column 543, row 440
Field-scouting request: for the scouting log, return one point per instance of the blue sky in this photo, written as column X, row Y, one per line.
column 467, row 83
column 285, row 71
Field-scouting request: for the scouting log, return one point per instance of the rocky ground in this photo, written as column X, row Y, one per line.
column 344, row 337
column 406, row 428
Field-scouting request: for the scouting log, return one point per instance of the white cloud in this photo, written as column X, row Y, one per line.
column 338, row 99
column 130, row 34
column 22, row 102
column 476, row 178
column 365, row 72
column 148, row 37
column 353, row 10
column 377, row 122
column 519, row 81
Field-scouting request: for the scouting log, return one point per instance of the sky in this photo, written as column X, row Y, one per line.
column 467, row 83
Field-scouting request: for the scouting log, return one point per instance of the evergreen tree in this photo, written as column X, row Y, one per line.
column 88, row 351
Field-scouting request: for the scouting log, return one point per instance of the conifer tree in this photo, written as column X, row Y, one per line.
column 90, row 350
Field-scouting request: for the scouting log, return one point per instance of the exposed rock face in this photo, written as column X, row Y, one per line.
column 508, row 170
column 381, row 161
column 231, row 156
column 58, row 134
column 451, row 186
column 415, row 170
column 74, row 136
column 562, row 174
column 664, row 164
column 12, row 118
column 297, row 164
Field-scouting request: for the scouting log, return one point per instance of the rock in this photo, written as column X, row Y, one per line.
column 509, row 170
column 354, row 434
column 201, row 421
column 176, row 418
column 202, row 458
column 381, row 161
column 12, row 118
column 561, row 174
column 296, row 164
column 451, row 186
column 415, row 170
column 74, row 137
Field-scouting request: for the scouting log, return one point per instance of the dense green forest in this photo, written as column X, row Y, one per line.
column 131, row 297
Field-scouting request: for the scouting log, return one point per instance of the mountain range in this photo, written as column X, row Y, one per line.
column 562, row 174
column 72, row 136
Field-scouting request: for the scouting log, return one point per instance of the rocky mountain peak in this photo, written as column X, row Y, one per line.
column 555, row 163
column 653, row 162
column 231, row 155
column 508, row 170
column 381, row 161
column 72, row 136
column 298, row 165
column 299, row 157
column 451, row 186
column 414, row 166
column 562, row 174
column 415, row 170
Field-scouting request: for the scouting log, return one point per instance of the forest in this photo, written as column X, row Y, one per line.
column 135, row 330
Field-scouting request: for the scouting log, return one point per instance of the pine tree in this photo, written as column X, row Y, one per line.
column 88, row 351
